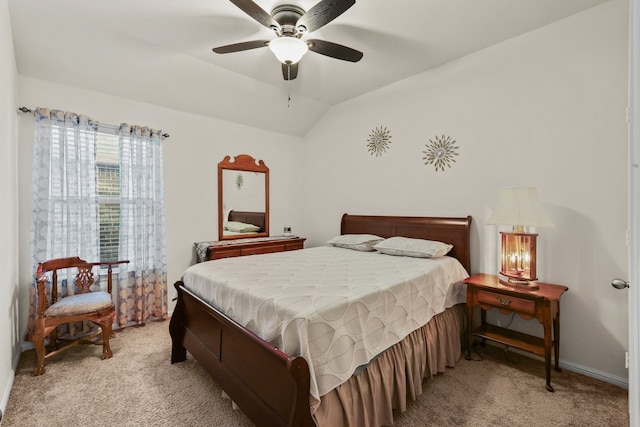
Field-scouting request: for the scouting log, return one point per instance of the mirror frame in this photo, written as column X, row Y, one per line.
column 242, row 162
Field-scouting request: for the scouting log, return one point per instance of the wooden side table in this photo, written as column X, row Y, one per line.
column 542, row 304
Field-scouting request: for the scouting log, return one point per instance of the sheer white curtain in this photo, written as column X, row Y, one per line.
column 64, row 192
column 66, row 211
column 142, row 294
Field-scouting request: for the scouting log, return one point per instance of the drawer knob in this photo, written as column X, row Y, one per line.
column 504, row 301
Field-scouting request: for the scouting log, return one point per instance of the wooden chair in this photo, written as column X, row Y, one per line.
column 96, row 307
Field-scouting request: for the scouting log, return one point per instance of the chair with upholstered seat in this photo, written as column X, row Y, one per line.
column 83, row 305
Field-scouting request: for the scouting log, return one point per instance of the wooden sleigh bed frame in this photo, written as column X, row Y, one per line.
column 271, row 387
column 255, row 218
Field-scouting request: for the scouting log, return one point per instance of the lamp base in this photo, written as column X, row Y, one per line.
column 530, row 285
column 518, row 257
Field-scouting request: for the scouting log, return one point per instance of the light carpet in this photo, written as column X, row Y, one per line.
column 140, row 387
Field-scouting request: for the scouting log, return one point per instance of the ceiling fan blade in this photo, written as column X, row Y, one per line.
column 290, row 71
column 257, row 13
column 323, row 13
column 334, row 50
column 238, row 47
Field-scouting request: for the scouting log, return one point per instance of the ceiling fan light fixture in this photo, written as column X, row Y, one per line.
column 288, row 50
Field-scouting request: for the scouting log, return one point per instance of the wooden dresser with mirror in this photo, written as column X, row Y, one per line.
column 243, row 211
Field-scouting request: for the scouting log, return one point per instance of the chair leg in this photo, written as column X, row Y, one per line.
column 107, row 333
column 53, row 339
column 38, row 342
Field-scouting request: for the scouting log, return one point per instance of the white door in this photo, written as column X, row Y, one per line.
column 634, row 211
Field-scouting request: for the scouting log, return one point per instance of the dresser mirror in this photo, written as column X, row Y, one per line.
column 243, row 198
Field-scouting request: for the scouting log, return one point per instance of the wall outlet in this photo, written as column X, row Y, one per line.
column 626, row 359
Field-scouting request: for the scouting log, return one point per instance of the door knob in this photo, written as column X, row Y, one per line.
column 619, row 283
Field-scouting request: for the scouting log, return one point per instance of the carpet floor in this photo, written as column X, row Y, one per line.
column 140, row 387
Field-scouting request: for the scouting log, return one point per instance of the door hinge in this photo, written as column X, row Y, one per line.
column 626, row 359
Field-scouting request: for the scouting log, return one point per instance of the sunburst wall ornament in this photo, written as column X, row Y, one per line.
column 440, row 152
column 379, row 140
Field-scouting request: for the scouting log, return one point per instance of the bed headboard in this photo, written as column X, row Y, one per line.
column 255, row 218
column 454, row 231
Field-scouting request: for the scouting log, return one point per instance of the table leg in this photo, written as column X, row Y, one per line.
column 556, row 339
column 469, row 329
column 547, row 353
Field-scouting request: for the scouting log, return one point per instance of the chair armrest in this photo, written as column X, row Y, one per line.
column 109, row 263
column 41, row 289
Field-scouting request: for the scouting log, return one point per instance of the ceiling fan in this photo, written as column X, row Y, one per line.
column 290, row 23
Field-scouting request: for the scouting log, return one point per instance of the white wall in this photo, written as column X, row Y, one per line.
column 546, row 109
column 191, row 157
column 9, row 340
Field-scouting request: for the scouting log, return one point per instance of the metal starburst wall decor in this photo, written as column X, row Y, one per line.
column 440, row 152
column 379, row 140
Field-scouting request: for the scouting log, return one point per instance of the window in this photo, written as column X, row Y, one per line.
column 108, row 176
column 97, row 193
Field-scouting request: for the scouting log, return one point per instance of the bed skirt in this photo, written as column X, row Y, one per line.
column 396, row 376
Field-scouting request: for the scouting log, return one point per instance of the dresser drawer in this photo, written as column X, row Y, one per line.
column 223, row 253
column 262, row 250
column 246, row 247
column 293, row 246
column 506, row 301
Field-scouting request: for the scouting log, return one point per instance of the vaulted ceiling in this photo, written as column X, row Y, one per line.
column 159, row 51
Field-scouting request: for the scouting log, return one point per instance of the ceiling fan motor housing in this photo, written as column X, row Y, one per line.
column 287, row 16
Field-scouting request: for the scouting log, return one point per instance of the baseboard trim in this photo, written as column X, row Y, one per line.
column 7, row 391
column 574, row 367
column 593, row 373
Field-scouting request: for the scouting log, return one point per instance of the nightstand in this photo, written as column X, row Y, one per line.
column 542, row 304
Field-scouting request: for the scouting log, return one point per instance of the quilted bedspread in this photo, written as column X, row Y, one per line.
column 338, row 308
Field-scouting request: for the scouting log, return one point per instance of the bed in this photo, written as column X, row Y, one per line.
column 273, row 388
column 253, row 218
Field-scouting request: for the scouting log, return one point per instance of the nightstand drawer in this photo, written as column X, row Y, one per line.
column 507, row 302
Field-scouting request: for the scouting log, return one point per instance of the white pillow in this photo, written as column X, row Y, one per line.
column 405, row 246
column 358, row 242
column 240, row 227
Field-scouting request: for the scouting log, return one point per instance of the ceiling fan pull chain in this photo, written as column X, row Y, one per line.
column 289, row 89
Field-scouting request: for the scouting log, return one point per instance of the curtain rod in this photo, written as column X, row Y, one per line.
column 29, row 110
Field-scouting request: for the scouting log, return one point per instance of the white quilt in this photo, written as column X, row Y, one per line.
column 338, row 308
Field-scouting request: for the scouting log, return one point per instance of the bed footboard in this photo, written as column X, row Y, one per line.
column 270, row 387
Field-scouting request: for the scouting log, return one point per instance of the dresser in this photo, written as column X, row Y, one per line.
column 253, row 246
